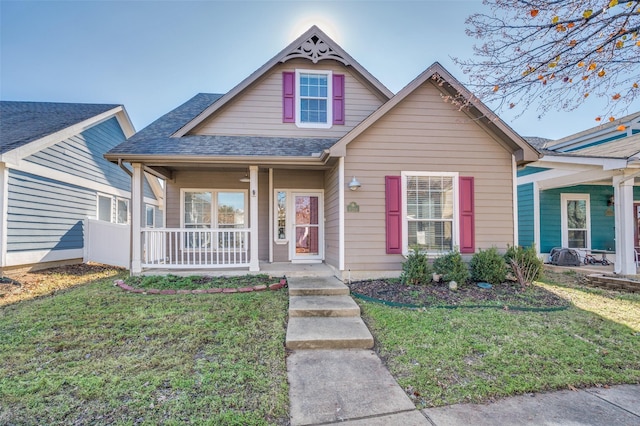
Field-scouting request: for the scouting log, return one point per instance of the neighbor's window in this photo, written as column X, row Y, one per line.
column 430, row 218
column 122, row 211
column 104, row 208
column 314, row 98
column 575, row 221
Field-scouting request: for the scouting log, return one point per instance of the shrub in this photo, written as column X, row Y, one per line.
column 489, row 266
column 524, row 263
column 452, row 267
column 416, row 269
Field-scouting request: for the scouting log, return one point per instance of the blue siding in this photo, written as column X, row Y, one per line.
column 82, row 155
column 44, row 214
column 529, row 170
column 602, row 225
column 526, row 236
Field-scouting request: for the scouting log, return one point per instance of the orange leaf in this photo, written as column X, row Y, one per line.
column 600, row 49
column 581, row 64
column 616, row 96
column 534, row 13
column 601, row 73
column 621, row 128
column 584, row 77
column 592, row 66
column 619, row 44
column 598, row 118
column 635, row 85
column 586, row 95
column 495, row 88
column 612, row 119
column 571, row 25
column 572, row 43
column 555, row 20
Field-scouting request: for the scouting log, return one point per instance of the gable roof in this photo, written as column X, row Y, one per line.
column 315, row 45
column 26, row 127
column 156, row 142
column 488, row 119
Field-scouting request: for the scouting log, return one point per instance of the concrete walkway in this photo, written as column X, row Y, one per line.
column 335, row 377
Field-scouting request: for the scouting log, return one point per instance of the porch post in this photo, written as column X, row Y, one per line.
column 4, row 201
column 623, row 208
column 254, row 263
column 137, row 215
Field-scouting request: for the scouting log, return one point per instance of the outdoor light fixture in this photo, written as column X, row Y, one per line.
column 611, row 201
column 245, row 178
column 354, row 184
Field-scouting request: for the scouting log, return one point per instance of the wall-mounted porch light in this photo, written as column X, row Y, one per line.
column 354, row 184
column 245, row 178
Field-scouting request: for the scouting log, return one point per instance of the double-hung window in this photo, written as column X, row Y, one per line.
column 576, row 221
column 204, row 209
column 430, row 204
column 314, row 94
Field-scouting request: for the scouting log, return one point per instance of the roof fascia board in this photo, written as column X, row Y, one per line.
column 153, row 161
column 528, row 153
column 16, row 155
column 595, row 133
column 605, row 163
column 282, row 57
column 587, row 177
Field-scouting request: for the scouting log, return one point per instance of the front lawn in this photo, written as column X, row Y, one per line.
column 446, row 356
column 94, row 354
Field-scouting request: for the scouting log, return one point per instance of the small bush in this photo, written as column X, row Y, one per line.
column 524, row 263
column 416, row 269
column 488, row 266
column 452, row 267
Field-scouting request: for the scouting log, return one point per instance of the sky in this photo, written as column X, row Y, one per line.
column 151, row 56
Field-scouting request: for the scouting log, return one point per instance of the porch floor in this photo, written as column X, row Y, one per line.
column 276, row 269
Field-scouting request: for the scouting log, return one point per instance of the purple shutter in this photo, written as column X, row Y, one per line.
column 288, row 97
column 338, row 98
column 467, row 227
column 393, row 185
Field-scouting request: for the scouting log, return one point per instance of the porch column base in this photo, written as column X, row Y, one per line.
column 136, row 267
column 254, row 267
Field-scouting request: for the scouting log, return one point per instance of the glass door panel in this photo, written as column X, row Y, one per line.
column 307, row 225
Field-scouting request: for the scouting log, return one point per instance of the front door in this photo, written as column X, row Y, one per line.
column 307, row 227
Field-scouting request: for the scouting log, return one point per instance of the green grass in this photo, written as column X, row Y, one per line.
column 94, row 354
column 448, row 356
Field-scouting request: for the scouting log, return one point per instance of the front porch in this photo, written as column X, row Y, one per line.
column 273, row 269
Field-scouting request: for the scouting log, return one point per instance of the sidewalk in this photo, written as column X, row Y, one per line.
column 335, row 377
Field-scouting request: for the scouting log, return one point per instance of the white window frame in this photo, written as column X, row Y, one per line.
column 287, row 220
column 455, row 232
column 564, row 197
column 146, row 216
column 329, row 123
column 111, row 207
column 117, row 207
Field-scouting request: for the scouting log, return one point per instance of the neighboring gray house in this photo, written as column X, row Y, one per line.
column 53, row 176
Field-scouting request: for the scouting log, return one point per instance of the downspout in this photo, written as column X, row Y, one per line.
column 123, row 167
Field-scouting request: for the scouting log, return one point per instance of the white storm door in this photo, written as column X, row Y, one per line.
column 308, row 232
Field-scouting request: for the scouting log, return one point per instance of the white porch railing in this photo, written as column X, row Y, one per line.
column 195, row 248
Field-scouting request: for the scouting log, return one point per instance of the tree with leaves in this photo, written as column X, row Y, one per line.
column 555, row 54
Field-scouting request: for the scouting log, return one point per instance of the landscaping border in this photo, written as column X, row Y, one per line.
column 273, row 287
column 502, row 307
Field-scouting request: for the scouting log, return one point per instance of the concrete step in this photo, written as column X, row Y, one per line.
column 320, row 286
column 323, row 306
column 328, row 333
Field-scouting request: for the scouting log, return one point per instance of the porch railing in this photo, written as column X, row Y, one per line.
column 195, row 248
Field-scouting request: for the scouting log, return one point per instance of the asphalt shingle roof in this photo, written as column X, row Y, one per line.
column 155, row 139
column 25, row 122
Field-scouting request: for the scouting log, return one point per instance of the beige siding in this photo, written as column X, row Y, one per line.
column 331, row 217
column 258, row 110
column 423, row 133
column 221, row 180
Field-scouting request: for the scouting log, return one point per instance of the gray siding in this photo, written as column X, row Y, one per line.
column 44, row 214
column 332, row 217
column 82, row 155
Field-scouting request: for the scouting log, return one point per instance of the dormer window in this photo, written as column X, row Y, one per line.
column 312, row 98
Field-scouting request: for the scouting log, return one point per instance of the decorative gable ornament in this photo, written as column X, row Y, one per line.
column 315, row 49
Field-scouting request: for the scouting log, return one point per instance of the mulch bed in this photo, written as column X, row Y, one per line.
column 438, row 294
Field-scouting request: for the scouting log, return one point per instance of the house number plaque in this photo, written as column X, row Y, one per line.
column 353, row 207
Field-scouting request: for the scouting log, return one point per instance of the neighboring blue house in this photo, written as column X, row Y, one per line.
column 53, row 176
column 584, row 193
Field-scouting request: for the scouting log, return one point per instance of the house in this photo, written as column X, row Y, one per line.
column 584, row 193
column 53, row 176
column 312, row 159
